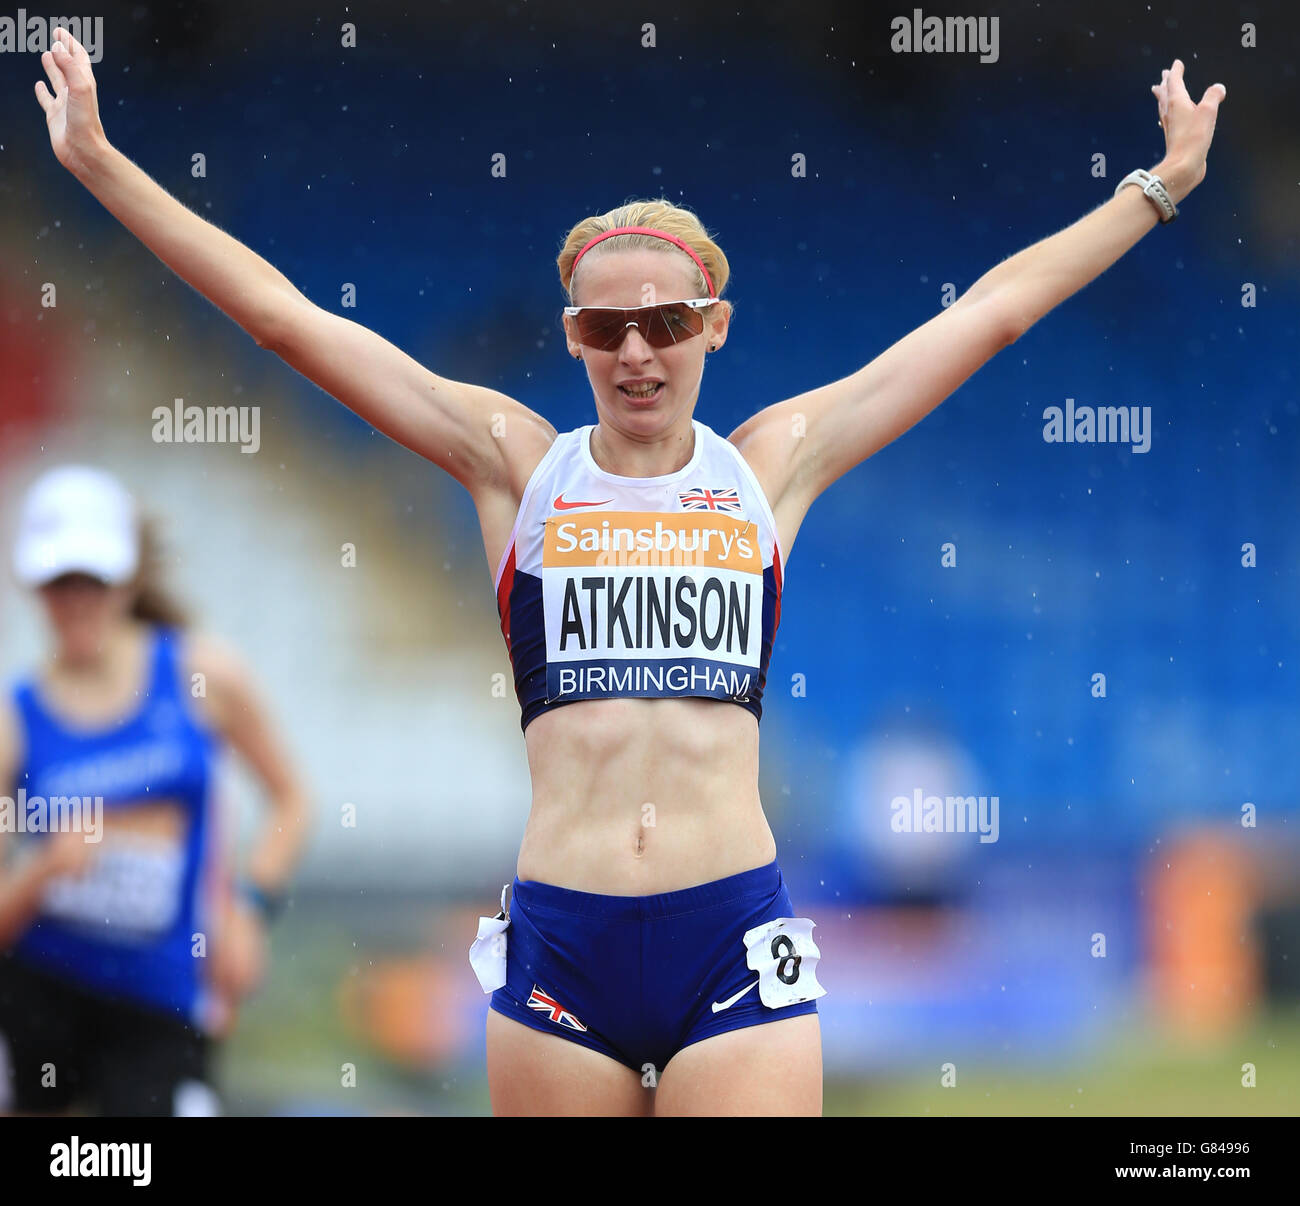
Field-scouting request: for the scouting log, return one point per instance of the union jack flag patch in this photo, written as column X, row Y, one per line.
column 702, row 499
column 546, row 1004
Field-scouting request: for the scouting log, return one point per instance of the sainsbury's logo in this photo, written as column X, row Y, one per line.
column 651, row 540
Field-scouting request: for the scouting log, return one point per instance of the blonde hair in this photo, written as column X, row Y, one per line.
column 659, row 214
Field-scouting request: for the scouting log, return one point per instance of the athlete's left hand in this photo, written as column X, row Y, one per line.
column 1188, row 126
column 239, row 956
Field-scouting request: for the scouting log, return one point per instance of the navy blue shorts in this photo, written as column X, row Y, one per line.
column 640, row 977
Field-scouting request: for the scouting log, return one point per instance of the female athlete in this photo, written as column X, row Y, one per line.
column 123, row 951
column 652, row 962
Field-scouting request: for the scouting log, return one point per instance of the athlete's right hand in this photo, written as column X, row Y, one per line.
column 72, row 113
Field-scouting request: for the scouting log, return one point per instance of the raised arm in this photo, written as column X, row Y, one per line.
column 800, row 446
column 448, row 422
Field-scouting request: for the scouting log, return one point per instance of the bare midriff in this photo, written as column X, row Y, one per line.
column 633, row 797
column 155, row 820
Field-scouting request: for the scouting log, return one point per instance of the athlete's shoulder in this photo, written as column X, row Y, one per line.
column 213, row 655
column 526, row 447
column 18, row 691
column 219, row 676
column 563, row 446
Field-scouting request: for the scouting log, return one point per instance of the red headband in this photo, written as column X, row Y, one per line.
column 647, row 230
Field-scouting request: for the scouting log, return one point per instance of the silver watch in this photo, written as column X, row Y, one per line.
column 1153, row 187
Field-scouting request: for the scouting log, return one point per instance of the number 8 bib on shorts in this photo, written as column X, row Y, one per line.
column 785, row 956
column 638, row 978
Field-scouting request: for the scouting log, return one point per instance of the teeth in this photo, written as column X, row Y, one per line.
column 640, row 391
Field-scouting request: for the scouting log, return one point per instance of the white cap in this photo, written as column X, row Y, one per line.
column 77, row 520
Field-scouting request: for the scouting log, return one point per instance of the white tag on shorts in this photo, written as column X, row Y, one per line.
column 487, row 954
column 785, row 956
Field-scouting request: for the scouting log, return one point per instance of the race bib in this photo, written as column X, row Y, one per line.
column 784, row 955
column 651, row 604
column 131, row 890
column 487, row 954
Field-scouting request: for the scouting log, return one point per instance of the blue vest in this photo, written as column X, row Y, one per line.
column 130, row 927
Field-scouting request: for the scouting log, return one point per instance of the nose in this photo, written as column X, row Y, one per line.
column 634, row 345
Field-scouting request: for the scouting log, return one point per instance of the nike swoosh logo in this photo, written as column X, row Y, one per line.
column 727, row 1004
column 561, row 505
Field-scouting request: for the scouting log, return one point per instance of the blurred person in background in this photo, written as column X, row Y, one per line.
column 125, row 947
column 650, row 941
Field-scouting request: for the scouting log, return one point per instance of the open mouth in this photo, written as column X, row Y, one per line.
column 642, row 393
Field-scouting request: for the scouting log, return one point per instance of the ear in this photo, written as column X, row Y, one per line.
column 572, row 347
column 719, row 322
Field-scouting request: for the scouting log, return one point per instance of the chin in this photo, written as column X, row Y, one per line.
column 81, row 647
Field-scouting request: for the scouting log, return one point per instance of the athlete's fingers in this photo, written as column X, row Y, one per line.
column 77, row 51
column 75, row 72
column 43, row 96
column 1214, row 96
column 52, row 70
column 69, row 42
column 1161, row 93
column 1177, row 88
